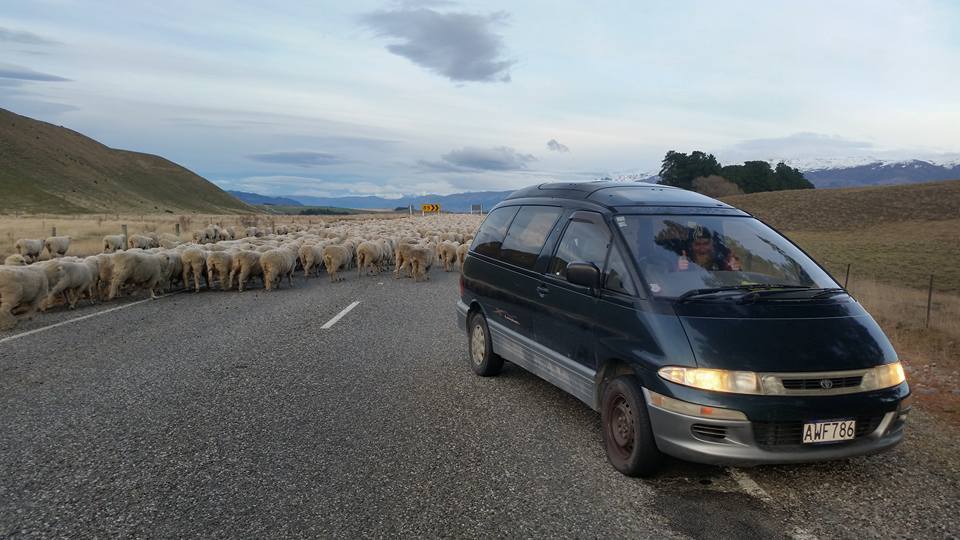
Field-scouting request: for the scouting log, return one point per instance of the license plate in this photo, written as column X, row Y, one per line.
column 829, row 431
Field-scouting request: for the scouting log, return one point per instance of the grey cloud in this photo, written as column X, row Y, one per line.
column 556, row 146
column 459, row 46
column 501, row 158
column 10, row 71
column 21, row 36
column 299, row 159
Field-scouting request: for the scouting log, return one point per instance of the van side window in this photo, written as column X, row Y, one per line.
column 494, row 228
column 582, row 241
column 527, row 233
column 616, row 278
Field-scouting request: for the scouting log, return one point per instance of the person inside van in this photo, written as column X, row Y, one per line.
column 705, row 255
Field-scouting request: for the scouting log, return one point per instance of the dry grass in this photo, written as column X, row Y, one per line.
column 931, row 355
column 88, row 230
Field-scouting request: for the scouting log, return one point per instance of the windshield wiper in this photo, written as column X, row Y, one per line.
column 754, row 287
column 819, row 293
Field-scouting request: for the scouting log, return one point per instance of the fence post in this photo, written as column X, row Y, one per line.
column 176, row 227
column 53, row 230
column 846, row 278
column 124, row 228
column 926, row 324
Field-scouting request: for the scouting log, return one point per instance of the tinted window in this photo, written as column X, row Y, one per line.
column 616, row 277
column 527, row 233
column 493, row 230
column 582, row 241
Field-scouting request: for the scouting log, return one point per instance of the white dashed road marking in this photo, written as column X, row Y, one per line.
column 753, row 489
column 339, row 316
column 77, row 319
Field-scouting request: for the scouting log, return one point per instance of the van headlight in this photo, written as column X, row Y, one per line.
column 883, row 376
column 718, row 380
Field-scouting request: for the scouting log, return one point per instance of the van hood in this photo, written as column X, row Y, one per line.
column 783, row 337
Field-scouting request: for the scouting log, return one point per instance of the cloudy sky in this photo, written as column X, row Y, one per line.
column 388, row 98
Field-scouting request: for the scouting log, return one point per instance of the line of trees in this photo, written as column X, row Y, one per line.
column 683, row 170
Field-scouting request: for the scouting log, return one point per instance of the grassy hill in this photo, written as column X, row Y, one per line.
column 49, row 169
column 892, row 234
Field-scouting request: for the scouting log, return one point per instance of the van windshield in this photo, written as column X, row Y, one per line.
column 681, row 254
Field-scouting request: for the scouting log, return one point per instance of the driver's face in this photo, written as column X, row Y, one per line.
column 702, row 246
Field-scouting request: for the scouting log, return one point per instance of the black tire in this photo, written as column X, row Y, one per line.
column 627, row 436
column 479, row 350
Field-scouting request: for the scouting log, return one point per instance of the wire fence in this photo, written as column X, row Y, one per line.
column 917, row 304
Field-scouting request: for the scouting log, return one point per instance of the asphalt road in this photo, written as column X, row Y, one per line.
column 235, row 415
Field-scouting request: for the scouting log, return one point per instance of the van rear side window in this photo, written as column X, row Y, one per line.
column 494, row 229
column 527, row 234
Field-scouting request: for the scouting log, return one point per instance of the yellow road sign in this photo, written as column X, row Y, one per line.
column 426, row 208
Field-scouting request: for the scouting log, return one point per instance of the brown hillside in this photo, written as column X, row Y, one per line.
column 843, row 209
column 49, row 169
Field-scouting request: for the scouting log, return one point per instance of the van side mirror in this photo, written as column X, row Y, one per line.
column 584, row 273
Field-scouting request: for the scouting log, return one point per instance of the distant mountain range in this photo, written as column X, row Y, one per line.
column 256, row 198
column 833, row 173
column 458, row 202
column 912, row 171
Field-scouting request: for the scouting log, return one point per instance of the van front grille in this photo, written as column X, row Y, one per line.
column 781, row 434
column 822, row 383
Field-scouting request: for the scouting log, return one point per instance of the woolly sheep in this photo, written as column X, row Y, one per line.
column 138, row 269
column 335, row 257
column 15, row 260
column 462, row 254
column 219, row 264
column 22, row 290
column 57, row 246
column 75, row 279
column 277, row 263
column 29, row 249
column 246, row 265
column 368, row 257
column 113, row 243
column 448, row 255
column 141, row 241
column 311, row 256
column 421, row 259
column 194, row 262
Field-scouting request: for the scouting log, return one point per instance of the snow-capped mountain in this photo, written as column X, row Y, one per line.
column 880, row 172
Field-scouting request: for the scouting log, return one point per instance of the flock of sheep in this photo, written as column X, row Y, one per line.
column 159, row 262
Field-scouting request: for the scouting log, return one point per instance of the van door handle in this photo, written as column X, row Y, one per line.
column 542, row 290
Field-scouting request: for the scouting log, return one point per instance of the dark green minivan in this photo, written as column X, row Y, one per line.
column 694, row 329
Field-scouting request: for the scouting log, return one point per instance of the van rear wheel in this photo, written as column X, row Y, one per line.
column 480, row 347
column 627, row 435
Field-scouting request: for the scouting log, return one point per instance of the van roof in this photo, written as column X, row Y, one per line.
column 618, row 194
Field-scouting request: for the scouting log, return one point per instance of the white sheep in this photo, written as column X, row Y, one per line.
column 219, row 264
column 194, row 262
column 113, row 243
column 139, row 269
column 75, row 279
column 15, row 260
column 277, row 263
column 57, row 246
column 336, row 257
column 246, row 265
column 29, row 249
column 22, row 291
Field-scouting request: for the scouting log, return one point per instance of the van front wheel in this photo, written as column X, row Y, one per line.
column 480, row 348
column 627, row 435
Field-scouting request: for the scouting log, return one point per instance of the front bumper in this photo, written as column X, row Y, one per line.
column 681, row 436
